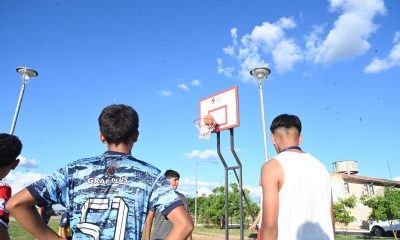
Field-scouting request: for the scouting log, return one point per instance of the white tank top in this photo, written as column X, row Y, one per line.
column 304, row 199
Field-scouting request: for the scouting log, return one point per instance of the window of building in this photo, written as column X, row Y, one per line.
column 371, row 190
column 368, row 189
column 346, row 187
column 365, row 189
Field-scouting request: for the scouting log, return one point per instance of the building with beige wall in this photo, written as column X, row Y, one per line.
column 346, row 182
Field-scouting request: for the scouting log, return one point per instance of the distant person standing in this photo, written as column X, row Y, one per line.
column 64, row 230
column 257, row 222
column 46, row 212
column 161, row 225
column 297, row 195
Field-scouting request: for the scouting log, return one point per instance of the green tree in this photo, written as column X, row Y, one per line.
column 386, row 207
column 342, row 211
column 211, row 209
column 190, row 202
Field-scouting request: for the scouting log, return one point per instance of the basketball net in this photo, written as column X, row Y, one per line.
column 205, row 126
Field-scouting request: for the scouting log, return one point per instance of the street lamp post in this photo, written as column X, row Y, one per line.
column 260, row 74
column 26, row 74
column 195, row 195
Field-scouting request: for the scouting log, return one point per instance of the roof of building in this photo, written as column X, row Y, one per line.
column 370, row 180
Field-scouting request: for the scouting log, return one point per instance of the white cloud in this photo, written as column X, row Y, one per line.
column 248, row 58
column 183, row 86
column 20, row 179
column 195, row 82
column 392, row 60
column 286, row 54
column 239, row 149
column 396, row 178
column 313, row 40
column 230, row 51
column 347, row 39
column 27, row 163
column 255, row 192
column 394, row 54
column 268, row 35
column 227, row 71
column 206, row 154
column 203, row 191
column 349, row 36
column 377, row 65
column 265, row 39
column 164, row 93
column 396, row 38
column 234, row 36
column 187, row 186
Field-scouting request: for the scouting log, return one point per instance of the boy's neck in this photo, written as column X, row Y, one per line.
column 122, row 148
column 3, row 172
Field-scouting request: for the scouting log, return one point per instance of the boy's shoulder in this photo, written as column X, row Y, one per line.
column 112, row 158
column 3, row 184
column 181, row 195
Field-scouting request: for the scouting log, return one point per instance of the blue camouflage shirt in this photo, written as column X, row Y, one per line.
column 108, row 196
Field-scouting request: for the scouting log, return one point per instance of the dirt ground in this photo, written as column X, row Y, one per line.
column 208, row 236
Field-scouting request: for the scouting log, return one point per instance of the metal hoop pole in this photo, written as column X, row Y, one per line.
column 226, row 205
column 240, row 182
column 226, row 218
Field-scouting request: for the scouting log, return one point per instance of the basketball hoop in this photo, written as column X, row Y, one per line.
column 205, row 126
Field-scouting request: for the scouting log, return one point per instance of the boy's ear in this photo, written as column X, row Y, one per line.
column 272, row 136
column 136, row 136
column 300, row 138
column 102, row 138
column 14, row 164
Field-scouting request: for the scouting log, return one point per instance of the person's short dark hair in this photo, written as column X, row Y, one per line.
column 118, row 123
column 286, row 121
column 171, row 173
column 10, row 148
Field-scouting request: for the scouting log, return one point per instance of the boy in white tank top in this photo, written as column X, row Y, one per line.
column 297, row 196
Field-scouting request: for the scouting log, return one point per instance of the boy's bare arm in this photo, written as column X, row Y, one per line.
column 182, row 224
column 148, row 225
column 253, row 226
column 190, row 237
column 22, row 207
column 270, row 175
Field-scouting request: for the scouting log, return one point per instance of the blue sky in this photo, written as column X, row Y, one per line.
column 335, row 64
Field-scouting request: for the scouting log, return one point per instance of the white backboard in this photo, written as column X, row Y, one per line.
column 224, row 107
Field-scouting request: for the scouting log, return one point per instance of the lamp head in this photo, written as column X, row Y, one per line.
column 260, row 73
column 27, row 73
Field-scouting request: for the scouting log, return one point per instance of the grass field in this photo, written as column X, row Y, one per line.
column 199, row 233
column 18, row 233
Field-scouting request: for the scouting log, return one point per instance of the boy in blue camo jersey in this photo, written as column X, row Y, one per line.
column 109, row 195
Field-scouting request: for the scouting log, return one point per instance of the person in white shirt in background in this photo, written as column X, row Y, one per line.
column 256, row 225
